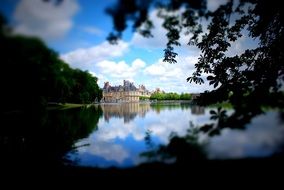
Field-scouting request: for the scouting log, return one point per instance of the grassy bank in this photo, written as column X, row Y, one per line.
column 63, row 106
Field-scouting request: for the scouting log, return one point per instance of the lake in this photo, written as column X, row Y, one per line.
column 118, row 135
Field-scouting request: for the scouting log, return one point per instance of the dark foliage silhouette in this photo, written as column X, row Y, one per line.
column 44, row 137
column 33, row 75
column 182, row 150
column 250, row 80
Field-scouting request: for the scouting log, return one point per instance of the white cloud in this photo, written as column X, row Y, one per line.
column 87, row 57
column 121, row 70
column 46, row 20
column 162, row 69
column 92, row 30
column 138, row 64
column 158, row 41
column 172, row 77
column 169, row 77
column 245, row 42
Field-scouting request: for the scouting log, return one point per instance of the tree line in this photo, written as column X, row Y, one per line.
column 33, row 75
column 170, row 96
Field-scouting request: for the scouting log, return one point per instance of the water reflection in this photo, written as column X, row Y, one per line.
column 119, row 140
column 182, row 150
column 113, row 135
column 197, row 110
column 127, row 111
column 44, row 137
column 262, row 138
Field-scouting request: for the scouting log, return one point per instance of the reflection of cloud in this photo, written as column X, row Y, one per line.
column 112, row 138
column 107, row 150
column 122, row 142
column 117, row 129
column 261, row 138
column 161, row 123
column 174, row 121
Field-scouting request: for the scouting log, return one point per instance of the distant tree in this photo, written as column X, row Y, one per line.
column 185, row 96
column 168, row 96
column 250, row 80
column 144, row 98
column 32, row 75
column 157, row 96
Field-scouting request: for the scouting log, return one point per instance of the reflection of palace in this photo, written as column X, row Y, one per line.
column 197, row 110
column 126, row 93
column 127, row 111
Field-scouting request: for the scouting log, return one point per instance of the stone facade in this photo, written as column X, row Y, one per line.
column 194, row 96
column 123, row 93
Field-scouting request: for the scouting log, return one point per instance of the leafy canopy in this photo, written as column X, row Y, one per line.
column 32, row 75
column 250, row 80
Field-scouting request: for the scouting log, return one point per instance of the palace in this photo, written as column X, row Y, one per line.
column 124, row 93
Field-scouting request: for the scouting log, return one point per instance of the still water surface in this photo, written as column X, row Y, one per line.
column 118, row 139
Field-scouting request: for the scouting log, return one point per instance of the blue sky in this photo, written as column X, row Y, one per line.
column 77, row 30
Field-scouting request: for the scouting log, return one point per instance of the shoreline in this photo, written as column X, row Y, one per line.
column 63, row 106
column 148, row 102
